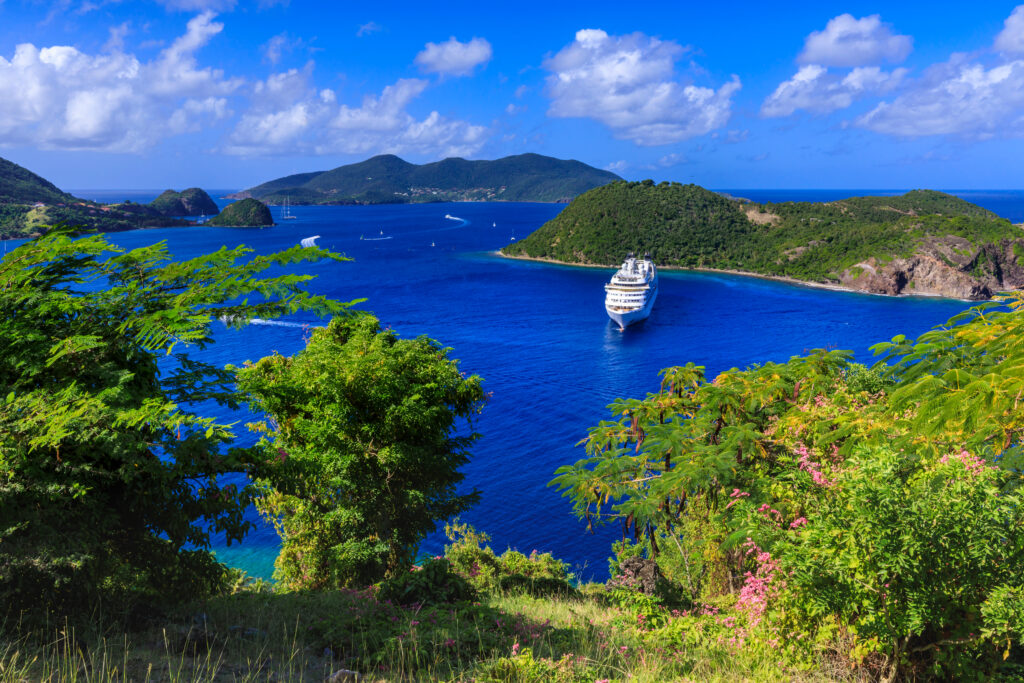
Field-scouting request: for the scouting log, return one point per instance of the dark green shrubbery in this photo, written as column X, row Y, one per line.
column 538, row 574
column 432, row 583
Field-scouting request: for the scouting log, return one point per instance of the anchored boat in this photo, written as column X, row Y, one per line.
column 630, row 294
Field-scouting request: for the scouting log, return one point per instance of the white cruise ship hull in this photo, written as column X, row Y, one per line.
column 625, row 318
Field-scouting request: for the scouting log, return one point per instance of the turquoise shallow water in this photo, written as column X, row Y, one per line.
column 539, row 337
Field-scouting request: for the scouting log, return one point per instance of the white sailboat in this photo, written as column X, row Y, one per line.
column 310, row 241
column 286, row 214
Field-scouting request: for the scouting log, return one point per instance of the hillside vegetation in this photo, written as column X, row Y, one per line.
column 921, row 242
column 246, row 213
column 808, row 520
column 29, row 202
column 387, row 179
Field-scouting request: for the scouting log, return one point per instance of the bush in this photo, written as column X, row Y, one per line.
column 364, row 458
column 915, row 558
column 432, row 583
column 538, row 574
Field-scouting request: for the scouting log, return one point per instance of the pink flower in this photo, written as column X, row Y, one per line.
column 798, row 522
column 515, row 648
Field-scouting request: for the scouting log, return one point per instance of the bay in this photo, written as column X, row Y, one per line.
column 539, row 337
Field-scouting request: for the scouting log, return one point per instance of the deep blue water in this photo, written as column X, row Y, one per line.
column 539, row 337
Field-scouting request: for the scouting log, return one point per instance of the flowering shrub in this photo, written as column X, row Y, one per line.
column 907, row 553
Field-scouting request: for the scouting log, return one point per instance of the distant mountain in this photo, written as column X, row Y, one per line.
column 387, row 179
column 190, row 202
column 247, row 213
column 29, row 203
column 923, row 242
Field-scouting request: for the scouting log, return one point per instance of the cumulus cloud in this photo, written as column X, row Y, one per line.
column 293, row 118
column 849, row 42
column 452, row 58
column 61, row 98
column 813, row 88
column 1011, row 38
column 959, row 97
column 973, row 96
column 629, row 84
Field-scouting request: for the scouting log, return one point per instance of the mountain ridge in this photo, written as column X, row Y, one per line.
column 389, row 179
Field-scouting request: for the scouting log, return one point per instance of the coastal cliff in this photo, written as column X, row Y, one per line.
column 921, row 243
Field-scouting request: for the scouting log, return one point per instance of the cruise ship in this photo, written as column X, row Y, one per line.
column 630, row 295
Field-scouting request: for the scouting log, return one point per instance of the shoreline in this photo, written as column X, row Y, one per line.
column 722, row 271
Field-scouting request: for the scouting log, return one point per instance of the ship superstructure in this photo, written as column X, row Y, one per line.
column 630, row 294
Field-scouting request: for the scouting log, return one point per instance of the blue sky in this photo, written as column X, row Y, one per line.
column 227, row 94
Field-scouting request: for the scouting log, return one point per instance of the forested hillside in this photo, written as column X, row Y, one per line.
column 387, row 179
column 922, row 242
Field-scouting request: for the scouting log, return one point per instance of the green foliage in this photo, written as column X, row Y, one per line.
column 386, row 179
column 907, row 554
column 433, row 583
column 365, row 451
column 860, row 377
column 191, row 202
column 875, row 507
column 110, row 485
column 688, row 226
column 246, row 213
column 537, row 574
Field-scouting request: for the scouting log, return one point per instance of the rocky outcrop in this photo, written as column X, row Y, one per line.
column 191, row 202
column 948, row 267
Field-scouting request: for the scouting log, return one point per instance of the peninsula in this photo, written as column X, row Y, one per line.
column 923, row 242
column 387, row 179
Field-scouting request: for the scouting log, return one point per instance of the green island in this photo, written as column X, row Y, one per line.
column 245, row 213
column 191, row 202
column 387, row 179
column 923, row 242
column 813, row 520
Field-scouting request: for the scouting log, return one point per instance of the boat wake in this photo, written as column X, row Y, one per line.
column 227, row 320
column 277, row 323
column 376, row 239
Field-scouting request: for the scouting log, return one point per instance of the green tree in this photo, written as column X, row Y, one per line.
column 365, row 449
column 110, row 485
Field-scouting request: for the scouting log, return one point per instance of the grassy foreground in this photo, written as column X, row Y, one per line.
column 259, row 635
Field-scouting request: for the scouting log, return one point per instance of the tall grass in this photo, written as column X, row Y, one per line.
column 307, row 636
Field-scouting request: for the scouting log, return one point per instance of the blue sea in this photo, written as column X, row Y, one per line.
column 539, row 337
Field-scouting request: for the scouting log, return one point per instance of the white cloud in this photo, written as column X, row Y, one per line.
column 452, row 58
column 61, row 98
column 368, row 28
column 617, row 166
column 1011, row 38
column 848, row 42
column 629, row 84
column 976, row 96
column 813, row 88
column 521, row 90
column 956, row 98
column 292, row 118
column 670, row 160
column 198, row 5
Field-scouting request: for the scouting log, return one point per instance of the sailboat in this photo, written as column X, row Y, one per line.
column 286, row 214
column 494, row 224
